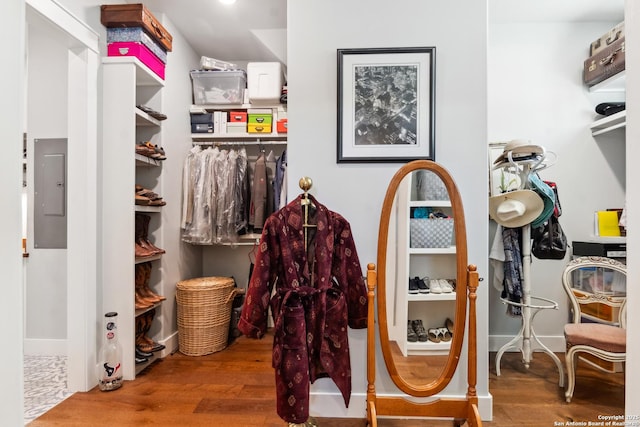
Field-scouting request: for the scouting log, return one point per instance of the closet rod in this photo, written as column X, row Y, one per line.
column 236, row 143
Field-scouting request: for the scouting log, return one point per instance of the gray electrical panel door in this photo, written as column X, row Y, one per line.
column 50, row 193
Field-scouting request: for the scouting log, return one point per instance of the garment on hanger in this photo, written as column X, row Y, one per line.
column 513, row 272
column 318, row 294
column 213, row 190
column 280, row 183
column 258, row 204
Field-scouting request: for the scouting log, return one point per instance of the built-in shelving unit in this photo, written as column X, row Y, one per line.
column 125, row 126
column 435, row 263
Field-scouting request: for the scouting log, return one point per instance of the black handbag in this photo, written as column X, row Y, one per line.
column 549, row 240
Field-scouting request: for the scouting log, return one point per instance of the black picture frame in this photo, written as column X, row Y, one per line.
column 386, row 104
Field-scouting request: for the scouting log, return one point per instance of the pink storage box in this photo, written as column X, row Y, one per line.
column 141, row 52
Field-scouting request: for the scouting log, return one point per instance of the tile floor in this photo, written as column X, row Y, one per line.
column 45, row 384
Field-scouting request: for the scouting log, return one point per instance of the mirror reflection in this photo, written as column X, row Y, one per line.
column 421, row 282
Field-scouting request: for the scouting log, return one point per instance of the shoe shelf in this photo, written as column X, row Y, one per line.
column 140, row 260
column 144, row 119
column 146, row 161
column 428, row 348
column 445, row 296
column 432, row 309
column 141, row 311
column 609, row 123
column 142, row 366
column 127, row 83
column 143, row 208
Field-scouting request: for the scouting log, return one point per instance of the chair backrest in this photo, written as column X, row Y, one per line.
column 596, row 287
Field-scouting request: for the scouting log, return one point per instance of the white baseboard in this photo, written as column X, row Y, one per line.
column 332, row 403
column 171, row 345
column 44, row 347
column 554, row 343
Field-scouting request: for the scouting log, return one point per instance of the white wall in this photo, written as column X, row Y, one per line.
column 12, row 26
column 536, row 93
column 357, row 190
column 632, row 386
column 46, row 292
column 182, row 261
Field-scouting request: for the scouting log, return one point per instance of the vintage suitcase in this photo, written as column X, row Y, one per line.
column 616, row 33
column 605, row 63
column 135, row 15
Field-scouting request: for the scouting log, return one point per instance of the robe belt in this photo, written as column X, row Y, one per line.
column 306, row 295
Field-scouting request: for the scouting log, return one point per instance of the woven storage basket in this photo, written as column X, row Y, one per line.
column 204, row 312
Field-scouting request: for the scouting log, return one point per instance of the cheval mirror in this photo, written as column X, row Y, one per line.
column 423, row 286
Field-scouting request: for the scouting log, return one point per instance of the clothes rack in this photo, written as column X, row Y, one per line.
column 530, row 305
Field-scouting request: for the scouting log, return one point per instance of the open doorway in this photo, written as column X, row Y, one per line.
column 60, row 275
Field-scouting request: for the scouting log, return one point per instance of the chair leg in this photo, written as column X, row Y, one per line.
column 570, row 358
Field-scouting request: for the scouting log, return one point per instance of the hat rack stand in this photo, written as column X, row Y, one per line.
column 530, row 305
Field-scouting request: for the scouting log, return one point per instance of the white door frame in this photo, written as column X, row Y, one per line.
column 82, row 195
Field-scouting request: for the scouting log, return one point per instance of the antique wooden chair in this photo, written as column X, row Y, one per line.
column 596, row 287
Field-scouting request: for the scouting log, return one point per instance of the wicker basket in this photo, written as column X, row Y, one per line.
column 204, row 312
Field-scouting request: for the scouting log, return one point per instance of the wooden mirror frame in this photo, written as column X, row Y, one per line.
column 464, row 409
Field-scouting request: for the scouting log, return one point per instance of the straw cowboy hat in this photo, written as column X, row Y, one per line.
column 515, row 208
column 519, row 149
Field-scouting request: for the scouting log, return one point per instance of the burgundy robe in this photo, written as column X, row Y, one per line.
column 315, row 299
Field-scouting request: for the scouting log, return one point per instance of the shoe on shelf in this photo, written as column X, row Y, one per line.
column 422, row 286
column 435, row 287
column 444, row 334
column 413, row 286
column 434, row 335
column 140, row 360
column 419, row 329
column 449, row 325
column 411, row 334
column 153, row 113
column 445, row 286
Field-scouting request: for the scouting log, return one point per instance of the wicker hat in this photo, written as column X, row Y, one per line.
column 515, row 208
column 520, row 149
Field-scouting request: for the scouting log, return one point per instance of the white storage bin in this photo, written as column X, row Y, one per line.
column 218, row 87
column 264, row 82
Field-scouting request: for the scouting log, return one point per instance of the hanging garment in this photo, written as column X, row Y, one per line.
column 513, row 273
column 257, row 211
column 315, row 300
column 214, row 196
column 280, row 183
column 496, row 259
column 188, row 185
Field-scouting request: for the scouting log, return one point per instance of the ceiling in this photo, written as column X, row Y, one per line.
column 248, row 30
column 255, row 30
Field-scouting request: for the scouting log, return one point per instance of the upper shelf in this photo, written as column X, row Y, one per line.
column 144, row 76
column 615, row 83
column 609, row 123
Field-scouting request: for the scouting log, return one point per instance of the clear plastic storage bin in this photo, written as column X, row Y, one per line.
column 218, row 87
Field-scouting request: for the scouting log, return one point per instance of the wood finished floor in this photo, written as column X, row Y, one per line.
column 235, row 387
